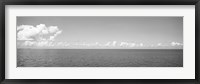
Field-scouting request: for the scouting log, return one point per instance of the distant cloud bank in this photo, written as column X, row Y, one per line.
column 110, row 44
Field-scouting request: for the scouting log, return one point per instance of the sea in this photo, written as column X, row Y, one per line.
column 99, row 57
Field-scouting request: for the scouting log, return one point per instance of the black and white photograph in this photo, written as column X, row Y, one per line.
column 99, row 41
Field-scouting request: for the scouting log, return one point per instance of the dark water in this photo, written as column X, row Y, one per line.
column 99, row 58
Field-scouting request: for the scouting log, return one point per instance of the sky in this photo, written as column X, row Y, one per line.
column 99, row 32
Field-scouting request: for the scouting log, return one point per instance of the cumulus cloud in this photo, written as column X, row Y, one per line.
column 25, row 32
column 39, row 32
column 53, row 29
column 55, row 35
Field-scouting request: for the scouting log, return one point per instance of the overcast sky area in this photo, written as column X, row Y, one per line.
column 100, row 32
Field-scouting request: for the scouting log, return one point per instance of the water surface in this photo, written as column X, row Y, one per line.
column 99, row 58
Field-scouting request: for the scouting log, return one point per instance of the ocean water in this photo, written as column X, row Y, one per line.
column 99, row 58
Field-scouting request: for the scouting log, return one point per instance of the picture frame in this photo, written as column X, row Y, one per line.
column 99, row 2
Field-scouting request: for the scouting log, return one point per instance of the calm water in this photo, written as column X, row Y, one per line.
column 99, row 58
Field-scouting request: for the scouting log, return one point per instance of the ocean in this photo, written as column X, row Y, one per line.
column 99, row 57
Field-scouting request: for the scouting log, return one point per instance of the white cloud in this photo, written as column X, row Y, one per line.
column 56, row 34
column 51, row 38
column 108, row 44
column 26, row 32
column 132, row 44
column 114, row 43
column 29, row 32
column 45, row 31
column 176, row 44
column 141, row 44
column 159, row 44
column 123, row 44
column 53, row 29
column 29, row 43
column 42, row 43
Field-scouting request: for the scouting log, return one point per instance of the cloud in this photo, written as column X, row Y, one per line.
column 53, row 29
column 44, row 31
column 132, row 44
column 26, row 32
column 141, row 44
column 56, row 34
column 109, row 44
column 40, row 32
column 176, row 44
column 29, row 43
column 159, row 44
column 43, row 43
column 123, row 44
column 51, row 38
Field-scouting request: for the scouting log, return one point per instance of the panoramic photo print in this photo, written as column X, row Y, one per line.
column 99, row 41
